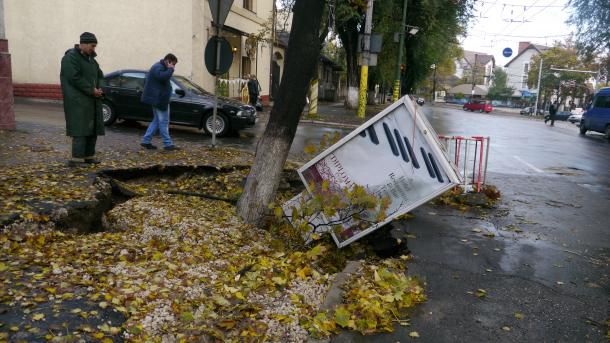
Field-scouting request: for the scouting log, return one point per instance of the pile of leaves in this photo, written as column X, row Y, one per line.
column 486, row 198
column 178, row 267
column 376, row 299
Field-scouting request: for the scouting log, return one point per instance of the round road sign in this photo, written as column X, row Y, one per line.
column 226, row 56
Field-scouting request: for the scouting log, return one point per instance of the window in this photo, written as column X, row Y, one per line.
column 245, row 66
column 190, row 86
column 114, row 81
column 249, row 5
column 526, row 68
column 524, row 82
column 602, row 101
column 133, row 80
column 174, row 86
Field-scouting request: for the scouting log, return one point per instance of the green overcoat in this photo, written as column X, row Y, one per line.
column 80, row 74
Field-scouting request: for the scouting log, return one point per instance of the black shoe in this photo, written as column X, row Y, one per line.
column 171, row 148
column 92, row 161
column 76, row 164
column 148, row 146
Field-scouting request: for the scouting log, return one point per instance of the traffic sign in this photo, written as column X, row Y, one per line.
column 225, row 56
column 507, row 52
column 220, row 9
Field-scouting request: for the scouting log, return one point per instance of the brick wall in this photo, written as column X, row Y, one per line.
column 38, row 90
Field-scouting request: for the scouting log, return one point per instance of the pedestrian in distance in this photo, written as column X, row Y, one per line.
column 245, row 96
column 157, row 93
column 552, row 111
column 253, row 89
column 80, row 79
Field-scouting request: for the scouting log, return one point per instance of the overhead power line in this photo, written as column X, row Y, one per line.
column 493, row 34
column 521, row 5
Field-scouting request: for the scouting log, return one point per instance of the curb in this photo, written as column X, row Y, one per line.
column 328, row 123
column 334, row 295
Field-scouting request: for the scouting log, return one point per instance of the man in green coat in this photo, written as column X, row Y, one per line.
column 81, row 80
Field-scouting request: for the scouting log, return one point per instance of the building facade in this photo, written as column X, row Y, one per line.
column 133, row 34
column 518, row 68
column 482, row 64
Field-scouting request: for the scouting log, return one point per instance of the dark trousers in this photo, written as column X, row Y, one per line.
column 253, row 99
column 83, row 146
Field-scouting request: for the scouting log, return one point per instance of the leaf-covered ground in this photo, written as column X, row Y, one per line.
column 173, row 267
column 31, row 188
column 184, row 267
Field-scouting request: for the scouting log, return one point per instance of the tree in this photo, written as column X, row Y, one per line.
column 272, row 149
column 499, row 90
column 560, row 56
column 591, row 18
column 440, row 22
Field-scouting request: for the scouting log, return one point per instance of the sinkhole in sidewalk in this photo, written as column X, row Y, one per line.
column 116, row 186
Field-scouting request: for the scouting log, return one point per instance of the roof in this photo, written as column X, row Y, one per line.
column 481, row 58
column 537, row 47
column 604, row 91
column 467, row 89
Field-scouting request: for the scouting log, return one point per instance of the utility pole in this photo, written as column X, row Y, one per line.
column 538, row 88
column 401, row 47
column 366, row 53
column 474, row 71
column 433, row 66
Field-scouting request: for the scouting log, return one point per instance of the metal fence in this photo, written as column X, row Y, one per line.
column 470, row 155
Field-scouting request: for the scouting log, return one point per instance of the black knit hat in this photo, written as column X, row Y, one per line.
column 88, row 37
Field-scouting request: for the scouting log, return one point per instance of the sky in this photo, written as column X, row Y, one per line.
column 504, row 23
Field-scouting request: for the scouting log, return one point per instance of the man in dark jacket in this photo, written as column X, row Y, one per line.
column 81, row 79
column 253, row 89
column 552, row 112
column 157, row 93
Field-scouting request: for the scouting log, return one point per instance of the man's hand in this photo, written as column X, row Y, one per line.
column 98, row 93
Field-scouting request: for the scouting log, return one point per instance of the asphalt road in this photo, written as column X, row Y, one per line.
column 545, row 272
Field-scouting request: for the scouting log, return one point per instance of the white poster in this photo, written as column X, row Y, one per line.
column 395, row 154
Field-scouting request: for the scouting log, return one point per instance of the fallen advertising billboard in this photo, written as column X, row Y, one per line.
column 395, row 154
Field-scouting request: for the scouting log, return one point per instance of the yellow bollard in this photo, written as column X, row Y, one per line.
column 396, row 93
column 364, row 75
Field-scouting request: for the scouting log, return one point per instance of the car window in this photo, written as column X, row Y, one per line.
column 133, row 80
column 114, row 81
column 602, row 101
column 174, row 86
column 190, row 86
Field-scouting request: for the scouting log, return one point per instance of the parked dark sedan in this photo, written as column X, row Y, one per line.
column 190, row 104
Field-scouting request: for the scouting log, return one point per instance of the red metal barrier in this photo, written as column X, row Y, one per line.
column 459, row 147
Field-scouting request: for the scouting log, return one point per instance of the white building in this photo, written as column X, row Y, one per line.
column 482, row 63
column 133, row 34
column 518, row 68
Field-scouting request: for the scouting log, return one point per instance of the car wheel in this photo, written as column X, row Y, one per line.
column 583, row 129
column 222, row 124
column 108, row 113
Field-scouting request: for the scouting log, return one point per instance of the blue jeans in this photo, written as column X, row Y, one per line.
column 160, row 122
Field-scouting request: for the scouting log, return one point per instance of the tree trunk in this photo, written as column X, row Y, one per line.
column 272, row 150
